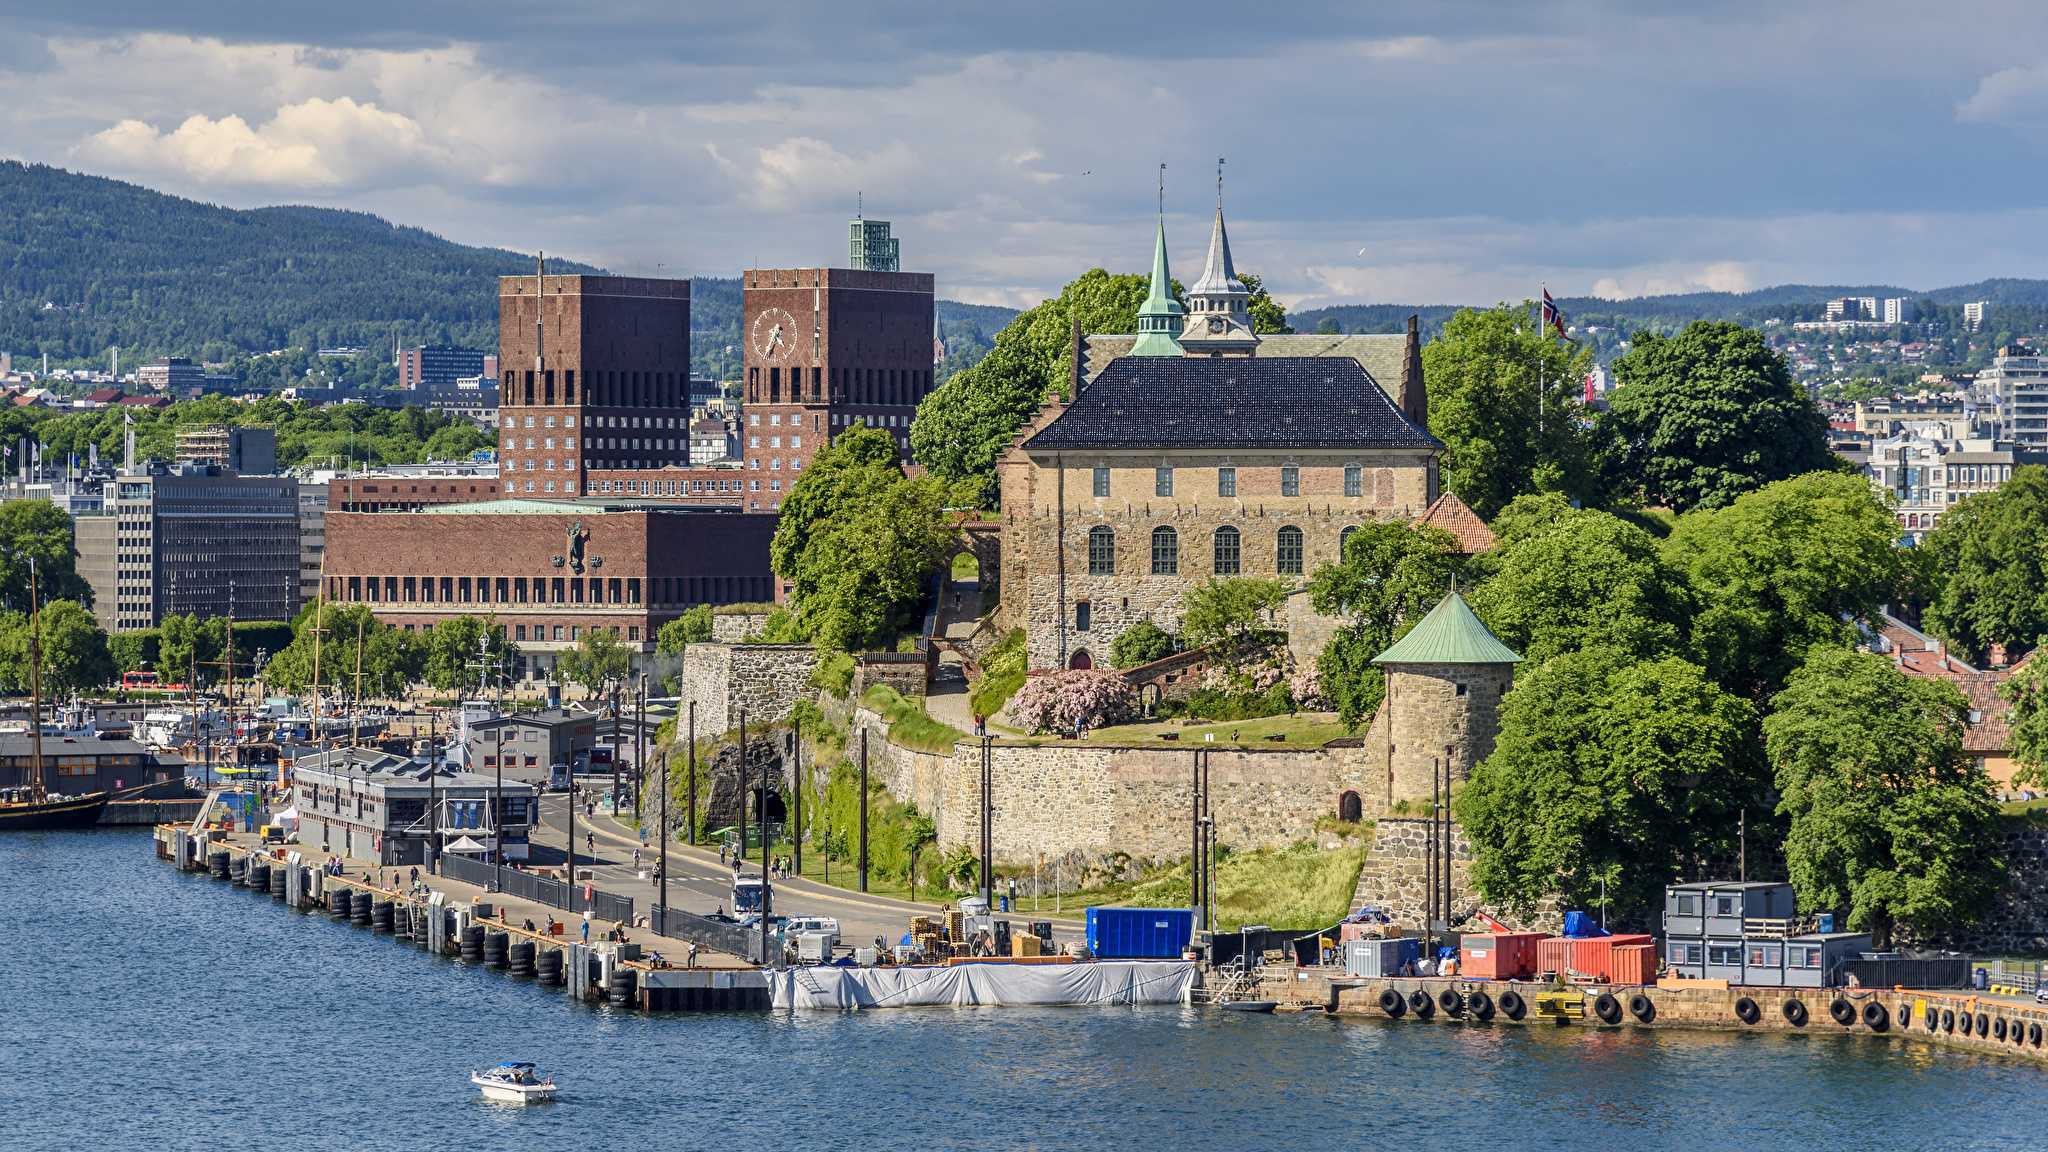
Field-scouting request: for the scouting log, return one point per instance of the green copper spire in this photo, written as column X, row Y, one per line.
column 1159, row 317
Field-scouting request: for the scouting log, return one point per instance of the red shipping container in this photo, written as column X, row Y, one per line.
column 1591, row 958
column 1551, row 954
column 1634, row 964
column 1499, row 956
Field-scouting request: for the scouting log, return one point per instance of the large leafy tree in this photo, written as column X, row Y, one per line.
column 1707, row 414
column 40, row 530
column 1987, row 568
column 390, row 660
column 1608, row 775
column 75, row 655
column 1888, row 818
column 1392, row 572
column 452, row 651
column 193, row 647
column 2027, row 691
column 1782, row 569
column 692, row 627
column 967, row 422
column 1504, row 397
column 1584, row 579
column 853, row 464
column 1232, row 609
column 597, row 661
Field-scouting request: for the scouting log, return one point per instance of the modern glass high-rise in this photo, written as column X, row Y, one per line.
column 870, row 247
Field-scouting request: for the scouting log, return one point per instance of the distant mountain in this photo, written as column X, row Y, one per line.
column 88, row 263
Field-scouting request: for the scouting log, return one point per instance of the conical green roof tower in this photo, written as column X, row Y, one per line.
column 1449, row 634
column 1159, row 317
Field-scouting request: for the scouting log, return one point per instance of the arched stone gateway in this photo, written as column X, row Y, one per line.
column 1350, row 808
column 1081, row 659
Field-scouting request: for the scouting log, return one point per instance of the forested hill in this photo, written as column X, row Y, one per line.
column 88, row 263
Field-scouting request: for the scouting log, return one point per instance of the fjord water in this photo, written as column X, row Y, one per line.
column 145, row 1008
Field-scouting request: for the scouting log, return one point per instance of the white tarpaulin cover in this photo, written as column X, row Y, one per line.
column 1100, row 982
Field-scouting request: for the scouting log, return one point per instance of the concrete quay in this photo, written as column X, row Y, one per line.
column 1949, row 1019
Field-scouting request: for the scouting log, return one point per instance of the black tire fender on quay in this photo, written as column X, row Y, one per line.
column 1983, row 1024
column 1747, row 1011
column 1966, row 1023
column 1948, row 1021
column 1843, row 1011
column 1876, row 1017
column 1512, row 1004
column 1392, row 1004
column 1607, row 1008
column 1794, row 1011
column 1480, row 1005
column 1998, row 1028
column 2034, row 1034
column 1642, row 1007
column 1421, row 1004
column 1451, row 1002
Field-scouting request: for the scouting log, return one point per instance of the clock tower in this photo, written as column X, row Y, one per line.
column 1218, row 322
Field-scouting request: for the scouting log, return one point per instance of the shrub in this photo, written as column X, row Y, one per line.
column 1002, row 673
column 1066, row 700
column 910, row 726
column 834, row 674
column 1142, row 643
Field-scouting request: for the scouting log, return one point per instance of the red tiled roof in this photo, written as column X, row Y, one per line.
column 1990, row 733
column 103, row 395
column 145, row 401
column 1454, row 516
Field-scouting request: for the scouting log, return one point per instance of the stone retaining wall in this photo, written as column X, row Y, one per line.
column 2017, row 924
column 736, row 627
column 764, row 679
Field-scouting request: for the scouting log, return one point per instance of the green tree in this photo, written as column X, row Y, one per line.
column 1782, row 569
column 75, row 656
column 858, row 583
column 391, row 658
column 451, row 650
column 1392, row 572
column 1585, row 579
column 1504, row 397
column 456, row 442
column 40, row 530
column 1608, row 769
column 855, row 463
column 1888, row 818
column 1141, row 643
column 133, row 651
column 1705, row 415
column 190, row 649
column 1268, row 317
column 1231, row 610
column 692, row 627
column 964, row 425
column 597, row 660
column 2027, row 691
column 1987, row 564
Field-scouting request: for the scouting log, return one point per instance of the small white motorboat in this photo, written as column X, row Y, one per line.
column 514, row 1082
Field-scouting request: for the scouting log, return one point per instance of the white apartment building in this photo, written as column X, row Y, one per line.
column 1925, row 468
column 2018, row 381
column 1973, row 314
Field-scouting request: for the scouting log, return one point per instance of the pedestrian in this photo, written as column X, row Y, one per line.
column 590, row 842
column 586, row 925
column 636, row 859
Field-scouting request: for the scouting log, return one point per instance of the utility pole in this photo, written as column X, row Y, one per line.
column 1742, row 839
column 640, row 748
column 863, row 809
column 1429, row 870
column 663, row 864
column 690, row 816
column 37, row 791
column 743, row 793
column 355, row 723
column 433, row 792
column 987, row 835
column 617, row 688
column 796, row 790
column 498, row 811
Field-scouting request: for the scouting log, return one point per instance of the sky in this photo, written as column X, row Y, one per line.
column 1459, row 151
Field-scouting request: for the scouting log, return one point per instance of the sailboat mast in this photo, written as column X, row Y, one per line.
column 355, row 709
column 37, row 790
column 319, row 630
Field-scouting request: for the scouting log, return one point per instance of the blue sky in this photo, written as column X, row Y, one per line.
column 1463, row 153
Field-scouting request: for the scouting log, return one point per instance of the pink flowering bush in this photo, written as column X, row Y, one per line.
column 1306, row 687
column 1060, row 701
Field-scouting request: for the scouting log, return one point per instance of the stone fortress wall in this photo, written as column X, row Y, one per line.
column 764, row 680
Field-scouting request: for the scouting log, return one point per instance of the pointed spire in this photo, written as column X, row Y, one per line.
column 1218, row 313
column 1159, row 317
column 1414, row 393
column 1219, row 274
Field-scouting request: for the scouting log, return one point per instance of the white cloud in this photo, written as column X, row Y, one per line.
column 315, row 145
column 2008, row 96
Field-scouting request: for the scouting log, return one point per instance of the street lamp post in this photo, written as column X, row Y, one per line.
column 690, row 816
column 639, row 746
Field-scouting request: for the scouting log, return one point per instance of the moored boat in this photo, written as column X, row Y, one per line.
column 32, row 815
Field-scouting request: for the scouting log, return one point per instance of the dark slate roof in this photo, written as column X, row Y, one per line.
column 1232, row 402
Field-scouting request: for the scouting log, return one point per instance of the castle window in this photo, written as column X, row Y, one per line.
column 1354, row 480
column 1226, row 482
column 1290, row 551
column 1344, row 538
column 1290, row 481
column 1165, row 552
column 1083, row 615
column 1162, row 481
column 1102, row 551
column 1101, row 481
column 1226, row 551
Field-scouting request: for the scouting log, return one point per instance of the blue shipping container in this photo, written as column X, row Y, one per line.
column 1140, row 933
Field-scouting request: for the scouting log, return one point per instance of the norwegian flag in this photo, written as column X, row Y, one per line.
column 1552, row 318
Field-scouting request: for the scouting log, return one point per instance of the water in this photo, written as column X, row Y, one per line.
column 154, row 1009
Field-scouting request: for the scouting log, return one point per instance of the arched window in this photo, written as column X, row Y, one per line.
column 1165, row 552
column 1226, row 551
column 1290, row 551
column 1102, row 550
column 1349, row 808
column 1344, row 538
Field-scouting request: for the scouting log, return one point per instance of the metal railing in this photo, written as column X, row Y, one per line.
column 540, row 889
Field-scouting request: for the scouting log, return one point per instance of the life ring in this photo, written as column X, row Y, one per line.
column 1480, row 1005
column 1876, row 1017
column 1998, row 1029
column 1512, row 1004
column 1843, row 1012
column 1794, row 1010
column 1607, row 1008
column 1747, row 1011
column 1392, row 1004
column 1642, row 1007
column 1419, row 1001
column 1452, row 1003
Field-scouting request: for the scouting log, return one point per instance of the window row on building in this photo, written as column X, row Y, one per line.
column 1164, row 479
column 1226, row 550
column 897, row 386
column 521, row 590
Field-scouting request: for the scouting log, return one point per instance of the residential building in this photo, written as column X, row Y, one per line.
column 191, row 539
column 1897, row 310
column 170, row 374
column 870, row 248
column 388, row 809
column 2018, row 381
column 434, row 366
column 1883, row 415
column 1987, row 731
column 711, row 439
column 828, row 348
column 1974, row 313
column 246, row 451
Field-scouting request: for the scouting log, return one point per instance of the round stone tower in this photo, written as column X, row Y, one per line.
column 1445, row 679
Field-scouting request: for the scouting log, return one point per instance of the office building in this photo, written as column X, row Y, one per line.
column 387, row 809
column 191, row 539
column 1749, row 933
column 242, row 450
column 2017, row 381
column 169, row 373
column 432, row 366
column 870, row 248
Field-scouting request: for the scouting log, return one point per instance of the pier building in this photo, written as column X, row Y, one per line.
column 383, row 808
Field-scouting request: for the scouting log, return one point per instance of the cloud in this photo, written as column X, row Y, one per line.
column 2008, row 96
column 311, row 145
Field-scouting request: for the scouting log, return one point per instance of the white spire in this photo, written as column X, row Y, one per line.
column 1218, row 316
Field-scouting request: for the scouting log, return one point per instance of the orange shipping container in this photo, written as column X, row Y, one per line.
column 1592, row 958
column 1634, row 964
column 1552, row 954
column 1499, row 956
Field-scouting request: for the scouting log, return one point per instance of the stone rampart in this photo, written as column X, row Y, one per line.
column 766, row 680
column 736, row 627
column 2017, row 924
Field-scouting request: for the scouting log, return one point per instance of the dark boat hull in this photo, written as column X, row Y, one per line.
column 78, row 812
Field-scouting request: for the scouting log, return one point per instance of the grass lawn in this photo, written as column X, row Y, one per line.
column 2036, row 808
column 1302, row 730
column 966, row 567
column 909, row 724
column 1298, row 887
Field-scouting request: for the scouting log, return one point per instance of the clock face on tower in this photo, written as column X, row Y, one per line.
column 774, row 334
column 1216, row 324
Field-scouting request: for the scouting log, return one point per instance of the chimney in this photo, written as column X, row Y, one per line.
column 1414, row 399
